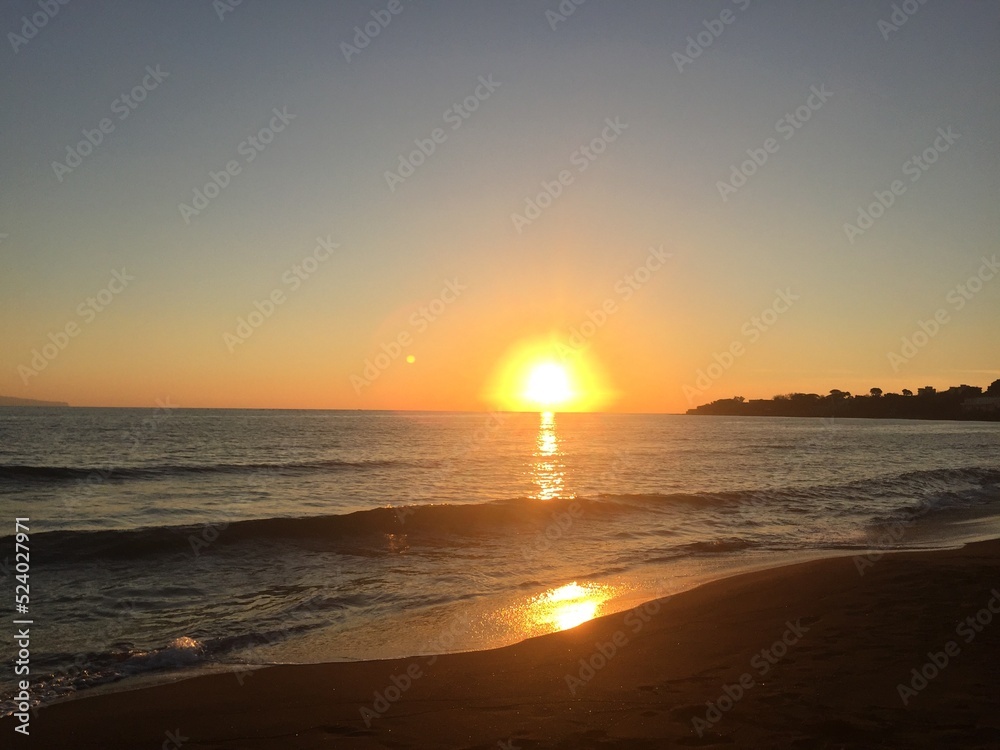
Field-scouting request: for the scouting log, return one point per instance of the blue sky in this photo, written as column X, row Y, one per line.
column 324, row 175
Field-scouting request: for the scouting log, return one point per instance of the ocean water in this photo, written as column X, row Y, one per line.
column 170, row 541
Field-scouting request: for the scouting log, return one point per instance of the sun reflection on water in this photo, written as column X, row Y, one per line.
column 547, row 470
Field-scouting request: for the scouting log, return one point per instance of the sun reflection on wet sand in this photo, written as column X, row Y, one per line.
column 567, row 606
column 555, row 609
column 547, row 470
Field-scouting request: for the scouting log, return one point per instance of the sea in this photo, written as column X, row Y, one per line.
column 171, row 542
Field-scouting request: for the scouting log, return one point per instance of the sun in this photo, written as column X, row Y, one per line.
column 548, row 385
column 541, row 374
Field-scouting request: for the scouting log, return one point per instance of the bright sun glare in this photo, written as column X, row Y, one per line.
column 543, row 375
column 548, row 385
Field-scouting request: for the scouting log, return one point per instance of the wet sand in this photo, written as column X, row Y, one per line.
column 806, row 656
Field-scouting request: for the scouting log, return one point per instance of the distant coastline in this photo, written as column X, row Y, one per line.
column 11, row 401
column 962, row 402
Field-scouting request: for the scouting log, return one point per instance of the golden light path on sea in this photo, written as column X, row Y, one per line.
column 547, row 471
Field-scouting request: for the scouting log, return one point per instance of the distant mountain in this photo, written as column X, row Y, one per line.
column 11, row 401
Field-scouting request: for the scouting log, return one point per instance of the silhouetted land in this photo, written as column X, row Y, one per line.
column 11, row 401
column 960, row 402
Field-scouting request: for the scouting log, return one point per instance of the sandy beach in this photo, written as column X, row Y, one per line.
column 813, row 655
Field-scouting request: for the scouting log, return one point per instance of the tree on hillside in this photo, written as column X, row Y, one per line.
column 994, row 389
column 876, row 392
column 907, row 392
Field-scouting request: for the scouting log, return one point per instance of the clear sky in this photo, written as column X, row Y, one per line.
column 365, row 241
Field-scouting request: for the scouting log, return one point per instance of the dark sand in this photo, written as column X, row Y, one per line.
column 835, row 688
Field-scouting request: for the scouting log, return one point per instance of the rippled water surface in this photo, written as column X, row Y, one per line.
column 180, row 539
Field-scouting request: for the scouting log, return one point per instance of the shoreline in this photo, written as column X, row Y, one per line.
column 947, row 534
column 644, row 679
column 173, row 675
